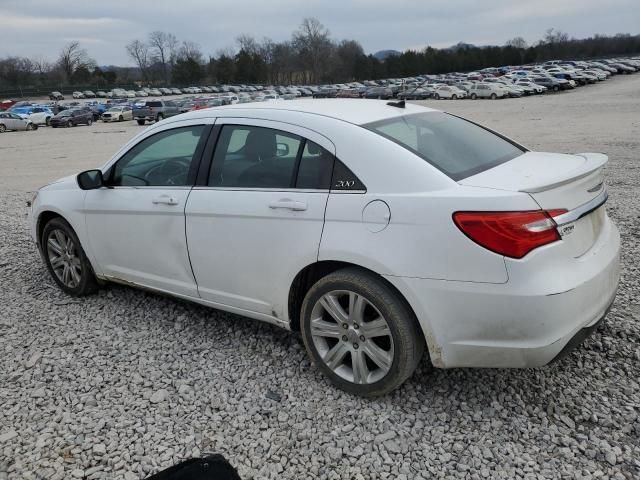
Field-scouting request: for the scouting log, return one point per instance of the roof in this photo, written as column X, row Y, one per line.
column 357, row 111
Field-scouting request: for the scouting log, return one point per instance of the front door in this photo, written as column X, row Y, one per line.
column 136, row 228
column 258, row 221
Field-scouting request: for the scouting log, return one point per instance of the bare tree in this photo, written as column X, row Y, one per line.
column 163, row 47
column 314, row 45
column 555, row 36
column 248, row 44
column 138, row 51
column 516, row 42
column 72, row 57
column 190, row 51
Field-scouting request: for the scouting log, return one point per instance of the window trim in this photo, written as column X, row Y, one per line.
column 193, row 168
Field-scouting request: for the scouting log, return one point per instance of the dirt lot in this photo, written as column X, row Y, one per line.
column 123, row 383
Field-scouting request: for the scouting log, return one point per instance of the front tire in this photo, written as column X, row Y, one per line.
column 493, row 96
column 159, row 117
column 89, row 122
column 66, row 260
column 360, row 332
column 437, row 96
column 473, row 96
column 140, row 122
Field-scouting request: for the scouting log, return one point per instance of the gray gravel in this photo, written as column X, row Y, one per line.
column 123, row 383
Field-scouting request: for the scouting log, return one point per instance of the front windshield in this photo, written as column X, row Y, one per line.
column 455, row 146
column 65, row 113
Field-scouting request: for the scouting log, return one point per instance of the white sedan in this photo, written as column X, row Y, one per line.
column 378, row 229
column 450, row 92
column 118, row 114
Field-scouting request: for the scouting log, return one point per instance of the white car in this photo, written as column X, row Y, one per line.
column 378, row 230
column 13, row 121
column 118, row 114
column 450, row 92
column 39, row 116
column 77, row 95
column 487, row 90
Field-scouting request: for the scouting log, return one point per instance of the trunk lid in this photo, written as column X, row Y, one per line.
column 557, row 181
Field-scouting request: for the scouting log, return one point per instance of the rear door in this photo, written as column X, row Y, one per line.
column 257, row 216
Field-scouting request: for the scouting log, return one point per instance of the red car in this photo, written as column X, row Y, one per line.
column 7, row 104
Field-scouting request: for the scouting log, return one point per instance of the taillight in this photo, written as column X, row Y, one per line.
column 512, row 234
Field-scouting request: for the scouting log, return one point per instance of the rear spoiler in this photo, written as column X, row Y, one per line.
column 594, row 161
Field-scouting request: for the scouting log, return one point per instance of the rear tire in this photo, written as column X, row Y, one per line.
column 140, row 122
column 47, row 121
column 120, row 118
column 437, row 96
column 556, row 88
column 159, row 117
column 3, row 128
column 66, row 260
column 473, row 96
column 454, row 97
column 493, row 96
column 68, row 124
column 89, row 122
column 382, row 344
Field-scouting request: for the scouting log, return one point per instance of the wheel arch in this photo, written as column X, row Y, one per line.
column 310, row 274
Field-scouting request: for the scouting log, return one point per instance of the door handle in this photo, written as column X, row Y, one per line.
column 288, row 204
column 165, row 200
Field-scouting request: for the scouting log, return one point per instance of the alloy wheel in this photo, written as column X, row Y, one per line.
column 352, row 337
column 64, row 258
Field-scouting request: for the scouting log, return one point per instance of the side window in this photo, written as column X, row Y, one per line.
column 316, row 166
column 163, row 159
column 254, row 157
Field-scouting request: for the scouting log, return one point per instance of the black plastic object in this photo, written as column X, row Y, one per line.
column 400, row 104
column 212, row 467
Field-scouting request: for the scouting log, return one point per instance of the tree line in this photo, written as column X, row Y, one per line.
column 310, row 56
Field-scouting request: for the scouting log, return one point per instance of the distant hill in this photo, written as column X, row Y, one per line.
column 382, row 54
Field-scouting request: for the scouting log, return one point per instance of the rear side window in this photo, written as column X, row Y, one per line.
column 456, row 147
column 154, row 104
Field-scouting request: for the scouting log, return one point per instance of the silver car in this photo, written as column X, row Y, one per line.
column 13, row 121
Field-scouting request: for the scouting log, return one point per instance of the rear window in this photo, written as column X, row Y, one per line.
column 456, row 147
column 154, row 104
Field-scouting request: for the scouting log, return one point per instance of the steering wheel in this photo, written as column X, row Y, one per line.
column 171, row 172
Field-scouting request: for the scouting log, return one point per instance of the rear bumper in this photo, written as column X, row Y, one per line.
column 526, row 322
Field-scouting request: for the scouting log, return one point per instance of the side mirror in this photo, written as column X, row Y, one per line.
column 90, row 179
column 282, row 150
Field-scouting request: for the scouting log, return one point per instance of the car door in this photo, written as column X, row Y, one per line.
column 136, row 226
column 256, row 219
column 16, row 122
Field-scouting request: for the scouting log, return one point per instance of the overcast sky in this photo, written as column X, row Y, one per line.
column 42, row 27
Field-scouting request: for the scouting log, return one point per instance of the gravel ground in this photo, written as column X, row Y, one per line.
column 123, row 383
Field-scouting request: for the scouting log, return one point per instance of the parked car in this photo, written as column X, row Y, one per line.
column 118, row 114
column 142, row 93
column 383, row 93
column 154, row 111
column 448, row 91
column 475, row 249
column 72, row 117
column 56, row 96
column 13, row 121
column 528, row 84
column 38, row 114
column 89, row 94
column 419, row 93
column 101, row 94
column 551, row 83
column 487, row 90
column 348, row 93
column 77, row 95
